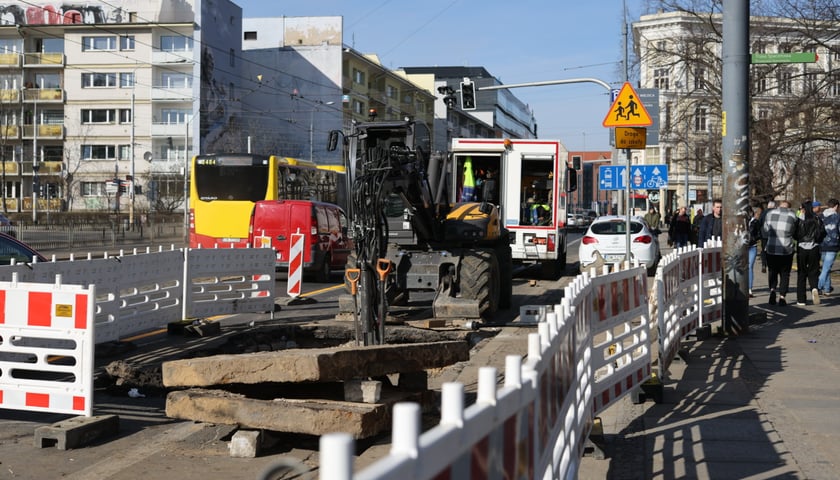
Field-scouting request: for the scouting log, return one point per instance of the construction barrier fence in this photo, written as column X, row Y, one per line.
column 591, row 350
column 46, row 347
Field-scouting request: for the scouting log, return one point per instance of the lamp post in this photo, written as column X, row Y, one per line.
column 131, row 168
column 35, row 165
column 312, row 127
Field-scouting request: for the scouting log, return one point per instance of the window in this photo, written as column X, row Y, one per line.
column 700, row 153
column 176, row 80
column 358, row 76
column 48, row 80
column 51, row 117
column 125, row 115
column 92, row 189
column 661, row 78
column 99, row 43
column 760, row 83
column 125, row 152
column 812, row 81
column 250, row 36
column 784, row 82
column 9, row 45
column 176, row 43
column 99, row 80
column 174, row 116
column 835, row 85
column 127, row 80
column 358, row 107
column 98, row 115
column 391, row 92
column 232, row 57
column 98, row 152
column 700, row 119
column 699, row 78
column 127, row 42
column 172, row 152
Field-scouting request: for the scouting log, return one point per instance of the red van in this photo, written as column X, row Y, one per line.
column 324, row 225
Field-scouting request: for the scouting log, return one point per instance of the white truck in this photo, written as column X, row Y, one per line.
column 529, row 181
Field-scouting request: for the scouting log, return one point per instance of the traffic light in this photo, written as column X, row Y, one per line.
column 467, row 94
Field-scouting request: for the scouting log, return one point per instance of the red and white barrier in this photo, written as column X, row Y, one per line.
column 46, row 347
column 295, row 277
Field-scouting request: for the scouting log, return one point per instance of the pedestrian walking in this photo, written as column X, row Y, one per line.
column 829, row 246
column 712, row 225
column 779, row 225
column 809, row 233
column 695, row 227
column 652, row 218
column 680, row 228
column 770, row 205
column 754, row 230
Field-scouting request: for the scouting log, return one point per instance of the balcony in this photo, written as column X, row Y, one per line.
column 168, row 58
column 45, row 132
column 10, row 96
column 9, row 132
column 43, row 95
column 176, row 130
column 9, row 60
column 37, row 60
column 180, row 94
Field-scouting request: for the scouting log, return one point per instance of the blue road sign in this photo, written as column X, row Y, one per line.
column 644, row 177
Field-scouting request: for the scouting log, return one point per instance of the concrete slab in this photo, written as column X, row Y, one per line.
column 312, row 365
column 311, row 417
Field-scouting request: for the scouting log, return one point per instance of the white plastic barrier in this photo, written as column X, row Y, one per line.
column 140, row 291
column 620, row 323
column 229, row 280
column 711, row 286
column 46, row 347
column 678, row 302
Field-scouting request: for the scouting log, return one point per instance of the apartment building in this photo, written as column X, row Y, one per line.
column 680, row 55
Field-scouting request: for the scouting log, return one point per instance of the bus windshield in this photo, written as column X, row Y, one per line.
column 236, row 182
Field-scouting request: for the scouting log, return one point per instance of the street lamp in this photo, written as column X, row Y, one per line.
column 312, row 127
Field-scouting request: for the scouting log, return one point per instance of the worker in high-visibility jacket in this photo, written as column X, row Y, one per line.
column 540, row 212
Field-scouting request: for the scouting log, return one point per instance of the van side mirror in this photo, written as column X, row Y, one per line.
column 332, row 142
column 571, row 180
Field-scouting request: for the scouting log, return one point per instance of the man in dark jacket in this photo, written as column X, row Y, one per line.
column 712, row 225
column 829, row 246
column 809, row 233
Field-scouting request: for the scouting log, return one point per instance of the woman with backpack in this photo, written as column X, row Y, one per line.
column 808, row 233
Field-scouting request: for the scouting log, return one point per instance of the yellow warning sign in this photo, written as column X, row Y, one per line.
column 627, row 110
column 62, row 310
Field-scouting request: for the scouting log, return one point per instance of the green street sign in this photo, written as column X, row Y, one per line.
column 793, row 57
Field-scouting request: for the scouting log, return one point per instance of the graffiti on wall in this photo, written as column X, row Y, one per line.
column 60, row 14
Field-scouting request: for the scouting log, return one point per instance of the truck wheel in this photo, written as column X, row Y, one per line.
column 479, row 280
column 504, row 257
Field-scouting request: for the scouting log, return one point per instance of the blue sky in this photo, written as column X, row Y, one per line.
column 517, row 42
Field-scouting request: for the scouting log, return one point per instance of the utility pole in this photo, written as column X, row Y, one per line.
column 131, row 168
column 736, row 154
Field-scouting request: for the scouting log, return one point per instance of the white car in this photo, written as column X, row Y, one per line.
column 605, row 241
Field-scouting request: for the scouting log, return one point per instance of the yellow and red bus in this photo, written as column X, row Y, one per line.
column 224, row 187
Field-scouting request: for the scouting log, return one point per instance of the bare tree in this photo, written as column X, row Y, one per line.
column 794, row 129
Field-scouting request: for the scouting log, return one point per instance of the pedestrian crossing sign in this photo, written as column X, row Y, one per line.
column 627, row 110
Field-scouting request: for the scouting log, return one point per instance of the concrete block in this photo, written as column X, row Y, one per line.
column 245, row 444
column 76, row 432
column 312, row 365
column 364, row 391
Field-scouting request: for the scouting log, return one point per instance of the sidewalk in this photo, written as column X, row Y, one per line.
column 762, row 405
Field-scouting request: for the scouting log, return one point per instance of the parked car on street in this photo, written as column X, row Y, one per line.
column 605, row 240
column 13, row 249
